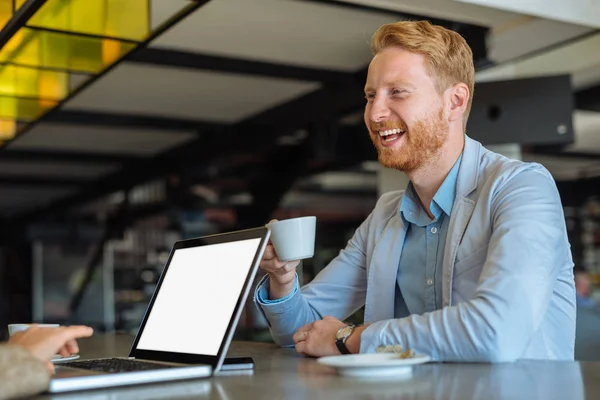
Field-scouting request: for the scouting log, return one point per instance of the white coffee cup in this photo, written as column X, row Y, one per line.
column 14, row 328
column 294, row 238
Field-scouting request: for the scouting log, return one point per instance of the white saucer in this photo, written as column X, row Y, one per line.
column 58, row 359
column 373, row 365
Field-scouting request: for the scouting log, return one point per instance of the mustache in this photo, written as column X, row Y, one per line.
column 384, row 126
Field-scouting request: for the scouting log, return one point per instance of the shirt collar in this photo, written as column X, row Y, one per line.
column 444, row 197
column 410, row 207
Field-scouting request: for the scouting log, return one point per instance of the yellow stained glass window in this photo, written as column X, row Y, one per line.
column 37, row 48
column 32, row 82
column 61, row 45
column 5, row 12
column 8, row 128
column 24, row 109
column 123, row 19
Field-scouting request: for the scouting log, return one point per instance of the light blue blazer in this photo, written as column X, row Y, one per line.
column 508, row 287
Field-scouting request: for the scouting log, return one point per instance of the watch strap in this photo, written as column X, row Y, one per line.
column 342, row 346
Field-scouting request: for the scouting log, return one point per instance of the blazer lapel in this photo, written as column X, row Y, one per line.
column 383, row 271
column 462, row 210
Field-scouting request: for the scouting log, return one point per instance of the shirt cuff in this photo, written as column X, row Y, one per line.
column 371, row 338
column 262, row 293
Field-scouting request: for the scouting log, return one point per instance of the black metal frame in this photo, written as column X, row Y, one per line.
column 20, row 19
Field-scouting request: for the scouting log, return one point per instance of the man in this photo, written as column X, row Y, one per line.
column 470, row 263
column 25, row 366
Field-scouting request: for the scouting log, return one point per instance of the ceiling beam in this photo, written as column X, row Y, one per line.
column 41, row 181
column 222, row 64
column 588, row 99
column 130, row 121
column 559, row 152
column 66, row 157
column 88, row 118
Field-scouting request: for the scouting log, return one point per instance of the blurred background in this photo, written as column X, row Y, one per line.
column 126, row 125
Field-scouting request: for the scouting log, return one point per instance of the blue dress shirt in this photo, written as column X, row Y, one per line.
column 420, row 267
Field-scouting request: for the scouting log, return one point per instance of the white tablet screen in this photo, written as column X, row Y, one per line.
column 197, row 298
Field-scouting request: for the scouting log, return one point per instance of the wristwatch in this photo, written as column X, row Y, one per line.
column 341, row 336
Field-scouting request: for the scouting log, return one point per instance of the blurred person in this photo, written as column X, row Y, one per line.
column 25, row 366
column 587, row 339
column 470, row 263
column 583, row 289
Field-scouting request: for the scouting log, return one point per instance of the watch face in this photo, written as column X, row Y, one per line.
column 345, row 331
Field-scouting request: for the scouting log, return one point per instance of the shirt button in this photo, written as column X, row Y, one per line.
column 430, row 282
column 434, row 230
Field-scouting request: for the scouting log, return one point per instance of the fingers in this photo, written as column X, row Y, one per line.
column 64, row 351
column 72, row 346
column 269, row 252
column 300, row 336
column 50, row 366
column 43, row 342
column 302, row 348
column 16, row 337
column 69, row 333
column 271, row 263
column 66, row 336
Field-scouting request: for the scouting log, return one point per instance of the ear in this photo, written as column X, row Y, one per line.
column 458, row 99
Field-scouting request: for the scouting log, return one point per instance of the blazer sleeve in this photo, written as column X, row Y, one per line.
column 527, row 249
column 338, row 290
column 21, row 374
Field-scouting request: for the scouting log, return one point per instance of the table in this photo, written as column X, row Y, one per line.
column 282, row 374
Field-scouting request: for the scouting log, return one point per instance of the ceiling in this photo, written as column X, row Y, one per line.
column 228, row 94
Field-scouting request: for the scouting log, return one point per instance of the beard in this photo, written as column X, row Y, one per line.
column 422, row 143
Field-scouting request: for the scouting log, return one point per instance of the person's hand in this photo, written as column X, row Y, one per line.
column 318, row 339
column 282, row 275
column 44, row 343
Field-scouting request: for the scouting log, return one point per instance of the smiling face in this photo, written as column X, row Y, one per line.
column 404, row 111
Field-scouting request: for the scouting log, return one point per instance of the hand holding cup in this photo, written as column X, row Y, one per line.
column 291, row 241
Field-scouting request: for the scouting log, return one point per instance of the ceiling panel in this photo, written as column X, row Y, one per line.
column 580, row 58
column 53, row 169
column 162, row 10
column 95, row 139
column 581, row 12
column 15, row 200
column 512, row 34
column 76, row 80
column 183, row 93
column 284, row 31
column 444, row 9
column 529, row 35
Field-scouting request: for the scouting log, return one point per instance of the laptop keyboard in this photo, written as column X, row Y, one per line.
column 116, row 365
